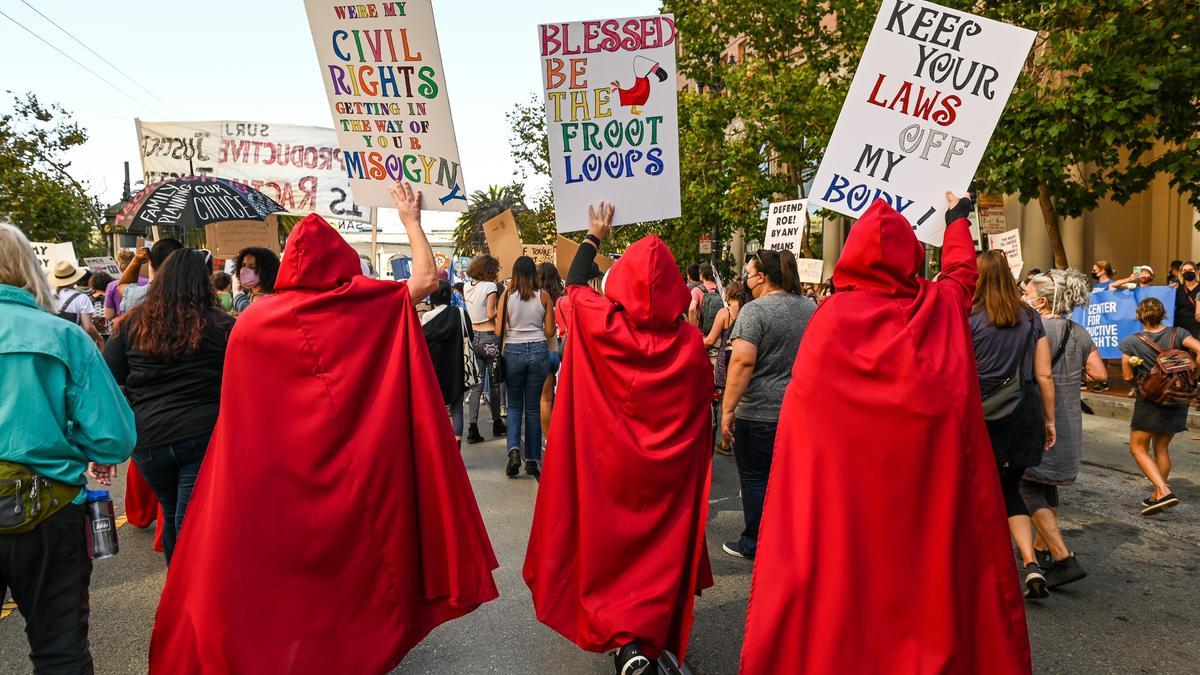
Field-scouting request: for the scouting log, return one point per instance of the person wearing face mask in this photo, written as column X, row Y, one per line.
column 1143, row 275
column 256, row 270
column 1073, row 354
column 1187, row 313
column 1102, row 275
column 765, row 339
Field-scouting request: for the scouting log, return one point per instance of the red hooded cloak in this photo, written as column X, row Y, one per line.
column 884, row 546
column 141, row 504
column 333, row 525
column 617, row 549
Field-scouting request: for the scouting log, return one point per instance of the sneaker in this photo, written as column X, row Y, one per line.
column 1100, row 387
column 473, row 435
column 1154, row 506
column 1063, row 572
column 735, row 550
column 668, row 663
column 1035, row 582
column 498, row 428
column 1044, row 559
column 531, row 469
column 514, row 463
column 631, row 661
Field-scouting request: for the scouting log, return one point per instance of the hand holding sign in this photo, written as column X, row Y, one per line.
column 407, row 202
column 601, row 217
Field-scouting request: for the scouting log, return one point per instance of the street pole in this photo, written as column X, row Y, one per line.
column 375, row 237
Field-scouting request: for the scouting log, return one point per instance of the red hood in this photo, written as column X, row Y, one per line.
column 646, row 283
column 881, row 255
column 316, row 258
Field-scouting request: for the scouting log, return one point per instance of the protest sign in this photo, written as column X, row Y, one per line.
column 105, row 264
column 382, row 69
column 504, row 241
column 226, row 239
column 1112, row 316
column 541, row 253
column 50, row 255
column 811, row 270
column 785, row 226
column 991, row 214
column 612, row 118
column 301, row 168
column 565, row 250
column 1010, row 243
column 927, row 95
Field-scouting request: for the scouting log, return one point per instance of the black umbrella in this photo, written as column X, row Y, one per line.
column 182, row 207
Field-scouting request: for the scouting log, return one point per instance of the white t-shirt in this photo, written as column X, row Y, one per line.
column 70, row 300
column 476, row 296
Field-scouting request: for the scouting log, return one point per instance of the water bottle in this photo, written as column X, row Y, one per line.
column 103, row 530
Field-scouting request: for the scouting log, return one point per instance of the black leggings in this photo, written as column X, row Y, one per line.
column 1010, row 485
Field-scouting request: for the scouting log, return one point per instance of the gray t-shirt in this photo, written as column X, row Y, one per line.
column 774, row 324
column 134, row 295
column 1132, row 346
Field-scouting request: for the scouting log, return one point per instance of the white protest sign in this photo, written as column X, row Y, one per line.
column 929, row 90
column 811, row 270
column 785, row 226
column 301, row 168
column 104, row 264
column 1010, row 243
column 612, row 118
column 382, row 69
column 50, row 255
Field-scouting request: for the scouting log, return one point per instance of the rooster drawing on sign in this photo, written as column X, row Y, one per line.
column 636, row 96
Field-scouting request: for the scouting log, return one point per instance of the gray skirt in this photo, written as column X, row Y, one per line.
column 1159, row 419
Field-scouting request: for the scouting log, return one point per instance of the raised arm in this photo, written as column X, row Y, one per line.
column 424, row 279
column 958, row 250
column 600, row 217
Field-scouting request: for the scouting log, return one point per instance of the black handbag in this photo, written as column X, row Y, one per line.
column 1000, row 400
column 498, row 364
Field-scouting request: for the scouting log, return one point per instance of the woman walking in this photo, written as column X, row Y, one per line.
column 1153, row 425
column 256, row 270
column 551, row 283
column 447, row 332
column 482, row 296
column 169, row 353
column 1054, row 296
column 526, row 323
column 719, row 338
column 1012, row 357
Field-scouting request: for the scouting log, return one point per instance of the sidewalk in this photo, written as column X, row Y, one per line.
column 1120, row 406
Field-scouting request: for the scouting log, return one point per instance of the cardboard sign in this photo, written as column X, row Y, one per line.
column 50, row 255
column 991, row 214
column 225, row 240
column 541, row 253
column 105, row 264
column 382, row 69
column 566, row 250
column 1112, row 316
column 1010, row 243
column 504, row 241
column 929, row 90
column 612, row 118
column 811, row 270
column 785, row 226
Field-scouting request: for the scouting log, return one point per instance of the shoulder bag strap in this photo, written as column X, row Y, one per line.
column 504, row 317
column 1155, row 347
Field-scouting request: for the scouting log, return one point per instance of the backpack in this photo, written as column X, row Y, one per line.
column 1172, row 380
column 709, row 306
column 73, row 317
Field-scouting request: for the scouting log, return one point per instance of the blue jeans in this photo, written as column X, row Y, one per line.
column 526, row 367
column 171, row 471
column 753, row 450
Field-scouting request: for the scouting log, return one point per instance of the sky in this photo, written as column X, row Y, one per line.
column 253, row 60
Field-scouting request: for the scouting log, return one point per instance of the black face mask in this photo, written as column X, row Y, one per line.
column 1189, row 276
column 1095, row 277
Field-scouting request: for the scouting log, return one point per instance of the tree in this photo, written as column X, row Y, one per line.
column 37, row 192
column 482, row 206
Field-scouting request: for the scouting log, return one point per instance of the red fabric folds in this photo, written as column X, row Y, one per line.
column 617, row 549
column 884, row 546
column 333, row 525
column 141, row 504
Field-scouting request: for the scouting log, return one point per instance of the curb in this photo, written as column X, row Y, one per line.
column 1121, row 408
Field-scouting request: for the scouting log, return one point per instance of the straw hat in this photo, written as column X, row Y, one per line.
column 64, row 274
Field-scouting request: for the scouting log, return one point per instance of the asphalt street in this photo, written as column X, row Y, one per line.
column 1136, row 611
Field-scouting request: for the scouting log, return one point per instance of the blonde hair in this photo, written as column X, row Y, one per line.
column 1064, row 289
column 19, row 265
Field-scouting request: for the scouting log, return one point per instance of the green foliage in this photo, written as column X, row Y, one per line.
column 36, row 192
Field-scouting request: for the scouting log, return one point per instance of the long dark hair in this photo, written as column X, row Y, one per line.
column 780, row 267
column 996, row 291
column 267, row 263
column 169, row 323
column 524, row 278
column 550, row 281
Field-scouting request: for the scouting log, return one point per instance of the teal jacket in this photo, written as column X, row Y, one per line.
column 60, row 407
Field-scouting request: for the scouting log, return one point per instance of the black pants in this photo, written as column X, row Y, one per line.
column 1010, row 486
column 171, row 471
column 753, row 450
column 49, row 570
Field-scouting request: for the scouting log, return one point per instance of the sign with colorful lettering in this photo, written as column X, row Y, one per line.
column 299, row 167
column 929, row 90
column 1112, row 316
column 612, row 118
column 785, row 226
column 382, row 69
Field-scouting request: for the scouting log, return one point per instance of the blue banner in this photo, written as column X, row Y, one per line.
column 1112, row 316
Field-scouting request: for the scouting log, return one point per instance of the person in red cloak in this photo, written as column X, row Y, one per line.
column 141, row 505
column 616, row 554
column 884, row 544
column 332, row 525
